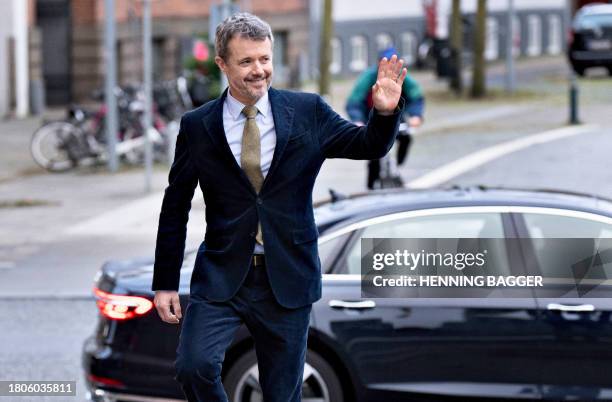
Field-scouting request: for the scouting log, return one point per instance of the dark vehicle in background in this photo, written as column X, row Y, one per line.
column 392, row 349
column 590, row 41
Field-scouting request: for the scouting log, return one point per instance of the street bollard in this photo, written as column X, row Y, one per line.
column 573, row 100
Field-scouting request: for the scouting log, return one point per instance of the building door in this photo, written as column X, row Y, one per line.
column 54, row 20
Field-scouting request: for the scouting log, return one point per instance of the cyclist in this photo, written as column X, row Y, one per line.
column 359, row 105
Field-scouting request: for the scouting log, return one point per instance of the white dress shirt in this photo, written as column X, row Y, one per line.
column 233, row 124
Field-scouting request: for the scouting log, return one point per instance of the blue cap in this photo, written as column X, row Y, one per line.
column 388, row 52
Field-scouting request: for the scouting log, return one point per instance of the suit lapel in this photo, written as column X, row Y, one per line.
column 213, row 122
column 283, row 121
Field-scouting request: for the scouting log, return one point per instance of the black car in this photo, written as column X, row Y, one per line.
column 388, row 349
column 590, row 42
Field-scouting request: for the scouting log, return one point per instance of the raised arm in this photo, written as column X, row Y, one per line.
column 339, row 138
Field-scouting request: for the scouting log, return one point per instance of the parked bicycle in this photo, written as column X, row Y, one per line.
column 80, row 139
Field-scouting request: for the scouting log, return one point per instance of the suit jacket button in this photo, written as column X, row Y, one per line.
column 252, row 234
column 259, row 201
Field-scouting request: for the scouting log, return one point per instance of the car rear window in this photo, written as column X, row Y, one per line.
column 593, row 21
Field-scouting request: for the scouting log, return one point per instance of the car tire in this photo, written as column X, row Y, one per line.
column 579, row 70
column 322, row 383
column 610, row 71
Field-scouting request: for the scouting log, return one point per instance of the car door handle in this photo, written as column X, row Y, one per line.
column 581, row 308
column 353, row 305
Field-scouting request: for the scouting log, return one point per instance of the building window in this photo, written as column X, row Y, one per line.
column 280, row 50
column 554, row 34
column 534, row 39
column 408, row 46
column 159, row 59
column 280, row 57
column 359, row 53
column 516, row 33
column 492, row 42
column 336, row 53
column 383, row 41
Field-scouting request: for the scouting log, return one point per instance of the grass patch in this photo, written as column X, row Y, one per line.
column 26, row 203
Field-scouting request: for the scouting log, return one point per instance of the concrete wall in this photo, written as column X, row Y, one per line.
column 5, row 78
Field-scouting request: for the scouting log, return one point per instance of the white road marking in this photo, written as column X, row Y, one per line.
column 462, row 165
column 139, row 217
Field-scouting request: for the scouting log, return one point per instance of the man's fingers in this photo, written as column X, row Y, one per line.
column 163, row 311
column 162, row 302
column 403, row 75
column 176, row 306
column 168, row 316
column 382, row 65
column 398, row 67
column 391, row 67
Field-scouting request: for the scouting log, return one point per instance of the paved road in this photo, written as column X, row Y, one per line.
column 41, row 340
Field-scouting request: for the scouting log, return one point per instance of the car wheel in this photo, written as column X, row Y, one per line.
column 610, row 71
column 320, row 382
column 579, row 70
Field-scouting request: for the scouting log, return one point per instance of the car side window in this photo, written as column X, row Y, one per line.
column 328, row 250
column 553, row 226
column 446, row 225
column 544, row 229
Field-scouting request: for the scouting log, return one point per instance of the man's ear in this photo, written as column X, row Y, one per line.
column 221, row 63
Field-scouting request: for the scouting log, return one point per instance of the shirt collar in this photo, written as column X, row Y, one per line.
column 235, row 107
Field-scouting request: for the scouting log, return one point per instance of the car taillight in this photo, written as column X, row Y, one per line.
column 121, row 307
column 105, row 381
column 570, row 37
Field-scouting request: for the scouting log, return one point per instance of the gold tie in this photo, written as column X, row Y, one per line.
column 250, row 157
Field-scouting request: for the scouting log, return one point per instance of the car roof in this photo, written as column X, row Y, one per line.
column 374, row 203
column 598, row 8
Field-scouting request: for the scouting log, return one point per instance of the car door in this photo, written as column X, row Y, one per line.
column 396, row 346
column 576, row 350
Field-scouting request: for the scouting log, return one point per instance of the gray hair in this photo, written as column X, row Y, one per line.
column 242, row 24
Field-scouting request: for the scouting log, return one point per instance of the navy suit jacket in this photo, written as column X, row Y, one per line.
column 307, row 132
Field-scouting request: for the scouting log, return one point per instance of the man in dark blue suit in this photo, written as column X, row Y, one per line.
column 256, row 152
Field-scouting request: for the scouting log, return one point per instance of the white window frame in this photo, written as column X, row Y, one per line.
column 555, row 33
column 336, row 56
column 408, row 47
column 534, row 35
column 492, row 39
column 359, row 53
column 383, row 41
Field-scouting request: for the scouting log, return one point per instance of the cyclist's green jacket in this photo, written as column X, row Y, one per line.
column 359, row 103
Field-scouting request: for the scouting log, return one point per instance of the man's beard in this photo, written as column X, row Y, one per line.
column 255, row 93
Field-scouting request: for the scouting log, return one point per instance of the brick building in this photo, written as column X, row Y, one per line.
column 72, row 45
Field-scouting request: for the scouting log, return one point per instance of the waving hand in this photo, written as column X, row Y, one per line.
column 387, row 90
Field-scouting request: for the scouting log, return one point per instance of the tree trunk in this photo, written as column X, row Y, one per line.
column 325, row 48
column 478, row 77
column 456, row 43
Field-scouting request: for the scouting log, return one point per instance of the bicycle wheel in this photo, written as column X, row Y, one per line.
column 49, row 146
